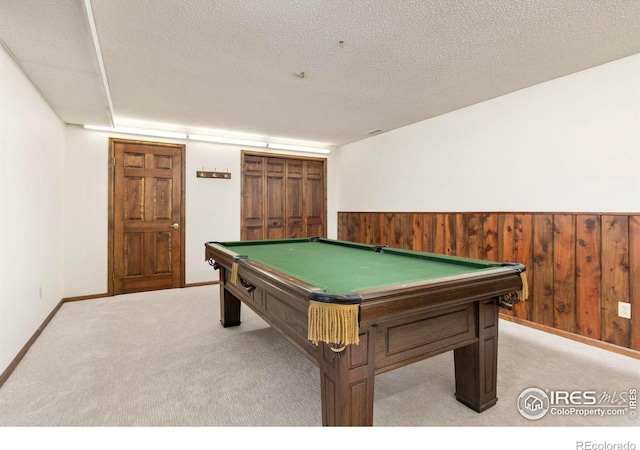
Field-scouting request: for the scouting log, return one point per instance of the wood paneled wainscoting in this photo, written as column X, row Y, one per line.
column 579, row 265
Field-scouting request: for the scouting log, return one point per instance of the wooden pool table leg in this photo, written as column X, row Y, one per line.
column 229, row 304
column 347, row 384
column 476, row 365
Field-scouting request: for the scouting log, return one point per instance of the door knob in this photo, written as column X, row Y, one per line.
column 175, row 225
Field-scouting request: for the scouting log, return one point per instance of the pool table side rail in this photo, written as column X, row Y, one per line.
column 296, row 240
column 429, row 295
column 469, row 262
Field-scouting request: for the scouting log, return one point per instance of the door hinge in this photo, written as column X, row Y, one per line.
column 113, row 161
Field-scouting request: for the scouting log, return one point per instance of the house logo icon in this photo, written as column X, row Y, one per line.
column 533, row 403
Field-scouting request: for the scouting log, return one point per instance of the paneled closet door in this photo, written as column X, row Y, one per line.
column 252, row 202
column 314, row 201
column 295, row 198
column 274, row 205
column 282, row 197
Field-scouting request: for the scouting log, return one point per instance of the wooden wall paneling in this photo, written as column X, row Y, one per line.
column 395, row 229
column 473, row 236
column 489, row 237
column 386, row 219
column 462, row 235
column 389, row 230
column 371, row 228
column 352, row 228
column 399, row 230
column 405, row 232
column 391, row 223
column 450, row 233
column 615, row 278
column 428, row 232
column 522, row 253
column 417, row 232
column 506, row 248
column 361, row 218
column 506, row 237
column 578, row 265
column 439, row 230
column 543, row 268
column 588, row 276
column 564, row 281
column 634, row 288
column 342, row 218
column 382, row 237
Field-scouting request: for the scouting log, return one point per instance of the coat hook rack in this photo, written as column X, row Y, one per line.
column 207, row 174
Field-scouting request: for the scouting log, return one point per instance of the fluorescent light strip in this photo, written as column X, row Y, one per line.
column 221, row 140
column 298, row 148
column 199, row 137
column 169, row 134
column 97, row 128
column 140, row 131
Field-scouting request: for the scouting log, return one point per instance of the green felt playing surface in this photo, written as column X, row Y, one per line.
column 341, row 268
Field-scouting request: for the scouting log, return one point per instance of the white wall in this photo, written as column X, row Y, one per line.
column 212, row 207
column 85, row 213
column 32, row 150
column 568, row 145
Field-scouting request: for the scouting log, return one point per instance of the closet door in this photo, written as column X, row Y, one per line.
column 295, row 198
column 314, row 198
column 252, row 203
column 282, row 197
column 274, row 205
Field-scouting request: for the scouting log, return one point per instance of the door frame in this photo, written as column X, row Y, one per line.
column 111, row 206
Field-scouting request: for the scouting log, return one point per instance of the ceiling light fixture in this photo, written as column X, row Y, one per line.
column 139, row 131
column 222, row 140
column 205, row 138
column 299, row 148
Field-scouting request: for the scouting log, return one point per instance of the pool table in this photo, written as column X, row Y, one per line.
column 409, row 306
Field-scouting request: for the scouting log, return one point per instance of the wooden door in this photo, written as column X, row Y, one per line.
column 274, row 206
column 295, row 198
column 253, row 197
column 282, row 197
column 146, row 216
column 314, row 201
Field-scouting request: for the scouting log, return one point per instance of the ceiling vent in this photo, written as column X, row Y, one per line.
column 372, row 132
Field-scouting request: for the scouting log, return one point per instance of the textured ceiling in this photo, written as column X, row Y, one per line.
column 368, row 64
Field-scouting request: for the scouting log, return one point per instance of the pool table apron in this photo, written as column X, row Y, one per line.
column 397, row 327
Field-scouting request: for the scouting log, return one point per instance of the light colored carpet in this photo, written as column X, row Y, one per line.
column 162, row 359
